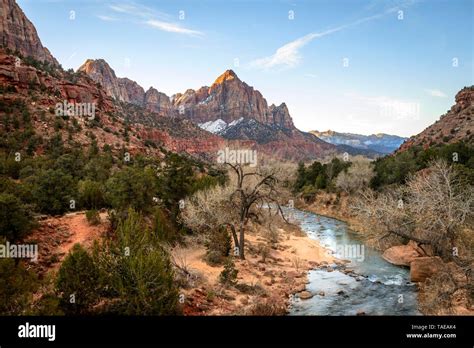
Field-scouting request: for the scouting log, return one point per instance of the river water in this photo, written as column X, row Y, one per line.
column 366, row 285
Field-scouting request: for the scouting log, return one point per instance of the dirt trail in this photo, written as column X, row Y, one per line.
column 56, row 236
column 81, row 231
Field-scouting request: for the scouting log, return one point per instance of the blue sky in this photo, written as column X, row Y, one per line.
column 358, row 66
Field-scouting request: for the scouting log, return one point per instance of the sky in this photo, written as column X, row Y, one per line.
column 359, row 66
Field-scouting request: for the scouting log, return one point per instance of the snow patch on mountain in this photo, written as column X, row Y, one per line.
column 214, row 127
column 236, row 122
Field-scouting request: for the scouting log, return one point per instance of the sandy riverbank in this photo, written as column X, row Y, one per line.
column 264, row 285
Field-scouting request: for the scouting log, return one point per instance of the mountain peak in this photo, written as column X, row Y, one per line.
column 19, row 35
column 96, row 65
column 227, row 75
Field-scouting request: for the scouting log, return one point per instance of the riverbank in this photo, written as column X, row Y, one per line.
column 266, row 279
column 459, row 301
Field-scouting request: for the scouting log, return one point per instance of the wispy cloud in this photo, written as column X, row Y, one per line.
column 137, row 10
column 155, row 19
column 107, row 18
column 288, row 55
column 172, row 28
column 436, row 93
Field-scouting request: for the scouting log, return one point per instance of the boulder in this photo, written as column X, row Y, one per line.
column 401, row 255
column 424, row 267
column 304, row 295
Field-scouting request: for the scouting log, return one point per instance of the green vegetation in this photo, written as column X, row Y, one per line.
column 388, row 170
column 129, row 272
column 17, row 285
column 131, row 187
column 318, row 176
column 52, row 191
column 218, row 246
column 228, row 275
column 397, row 168
column 93, row 217
column 177, row 180
column 91, row 194
column 136, row 271
column 15, row 220
column 77, row 282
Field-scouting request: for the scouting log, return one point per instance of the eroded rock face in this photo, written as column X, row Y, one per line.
column 157, row 102
column 132, row 92
column 126, row 90
column 23, row 78
column 18, row 34
column 281, row 116
column 230, row 99
column 99, row 71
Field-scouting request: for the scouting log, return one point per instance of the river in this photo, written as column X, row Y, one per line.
column 366, row 285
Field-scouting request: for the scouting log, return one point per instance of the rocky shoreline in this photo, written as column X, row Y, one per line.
column 422, row 262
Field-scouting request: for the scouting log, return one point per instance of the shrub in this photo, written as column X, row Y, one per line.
column 228, row 275
column 17, row 285
column 137, row 271
column 218, row 247
column 357, row 176
column 15, row 220
column 52, row 191
column 131, row 187
column 267, row 309
column 78, row 277
column 175, row 181
column 93, row 217
column 10, row 167
column 163, row 227
column 91, row 194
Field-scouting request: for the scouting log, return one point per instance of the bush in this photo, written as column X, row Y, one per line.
column 267, row 309
column 175, row 181
column 17, row 285
column 78, row 276
column 93, row 217
column 91, row 194
column 228, row 275
column 163, row 227
column 15, row 220
column 137, row 271
column 52, row 191
column 10, row 167
column 131, row 187
column 218, row 247
column 357, row 176
column 317, row 175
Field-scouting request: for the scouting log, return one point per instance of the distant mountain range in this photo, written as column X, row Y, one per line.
column 381, row 144
column 199, row 122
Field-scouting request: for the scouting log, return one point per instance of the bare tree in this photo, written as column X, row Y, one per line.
column 431, row 209
column 357, row 176
column 242, row 199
